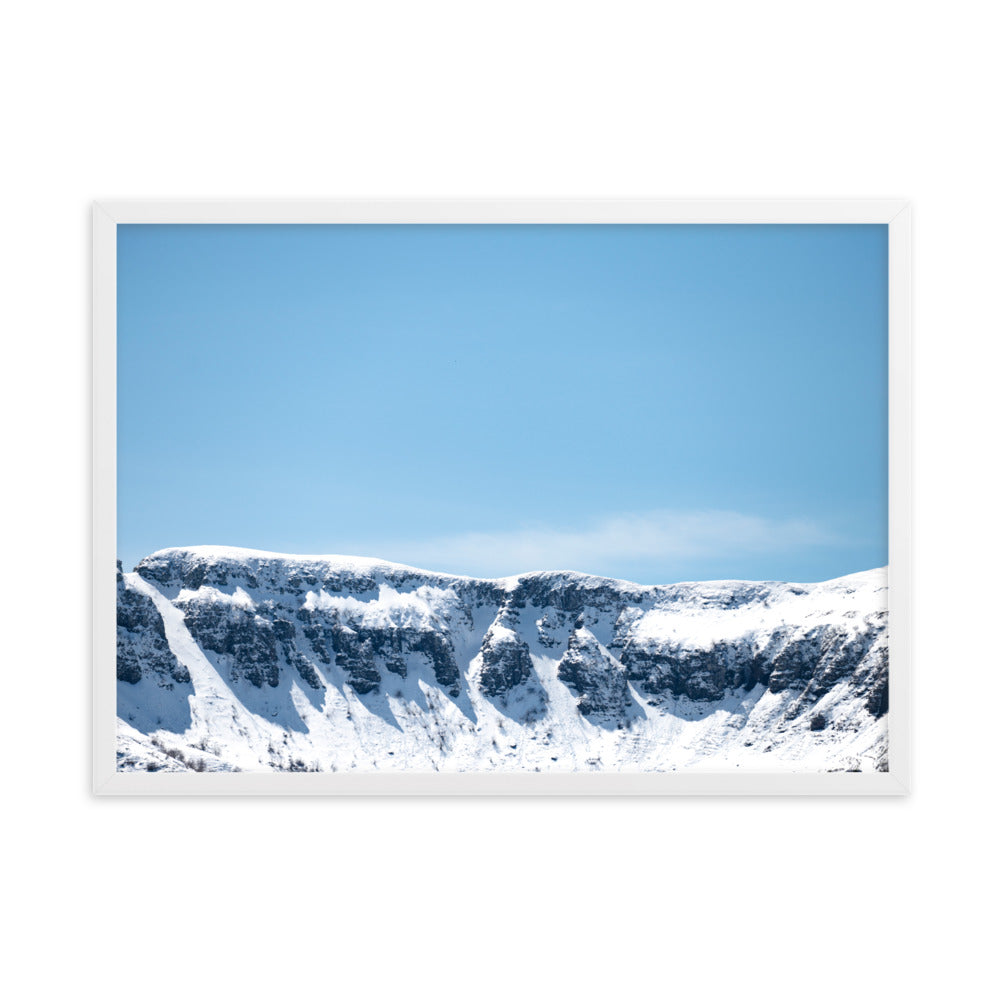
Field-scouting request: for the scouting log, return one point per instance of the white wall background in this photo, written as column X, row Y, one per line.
column 490, row 898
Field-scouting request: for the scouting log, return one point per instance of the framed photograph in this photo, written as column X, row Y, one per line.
column 502, row 497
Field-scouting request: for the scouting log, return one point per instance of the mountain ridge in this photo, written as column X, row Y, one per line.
column 339, row 662
column 222, row 553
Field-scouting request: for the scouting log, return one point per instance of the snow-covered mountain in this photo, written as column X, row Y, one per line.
column 233, row 659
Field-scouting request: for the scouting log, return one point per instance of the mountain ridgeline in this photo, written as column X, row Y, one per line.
column 233, row 659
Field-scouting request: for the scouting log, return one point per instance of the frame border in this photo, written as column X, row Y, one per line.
column 895, row 213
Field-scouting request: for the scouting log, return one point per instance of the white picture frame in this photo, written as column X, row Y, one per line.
column 108, row 215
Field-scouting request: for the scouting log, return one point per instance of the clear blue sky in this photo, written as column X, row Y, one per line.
column 657, row 403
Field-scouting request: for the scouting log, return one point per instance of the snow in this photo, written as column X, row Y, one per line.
column 239, row 598
column 848, row 600
column 389, row 607
column 411, row 723
column 333, row 563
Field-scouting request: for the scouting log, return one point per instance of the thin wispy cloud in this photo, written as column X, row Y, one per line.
column 636, row 542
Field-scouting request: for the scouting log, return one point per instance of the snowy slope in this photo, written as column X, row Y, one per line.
column 233, row 659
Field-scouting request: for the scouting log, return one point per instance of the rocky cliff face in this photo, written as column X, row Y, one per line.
column 276, row 661
column 156, row 682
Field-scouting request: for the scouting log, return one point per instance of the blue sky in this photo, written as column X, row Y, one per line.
column 656, row 403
